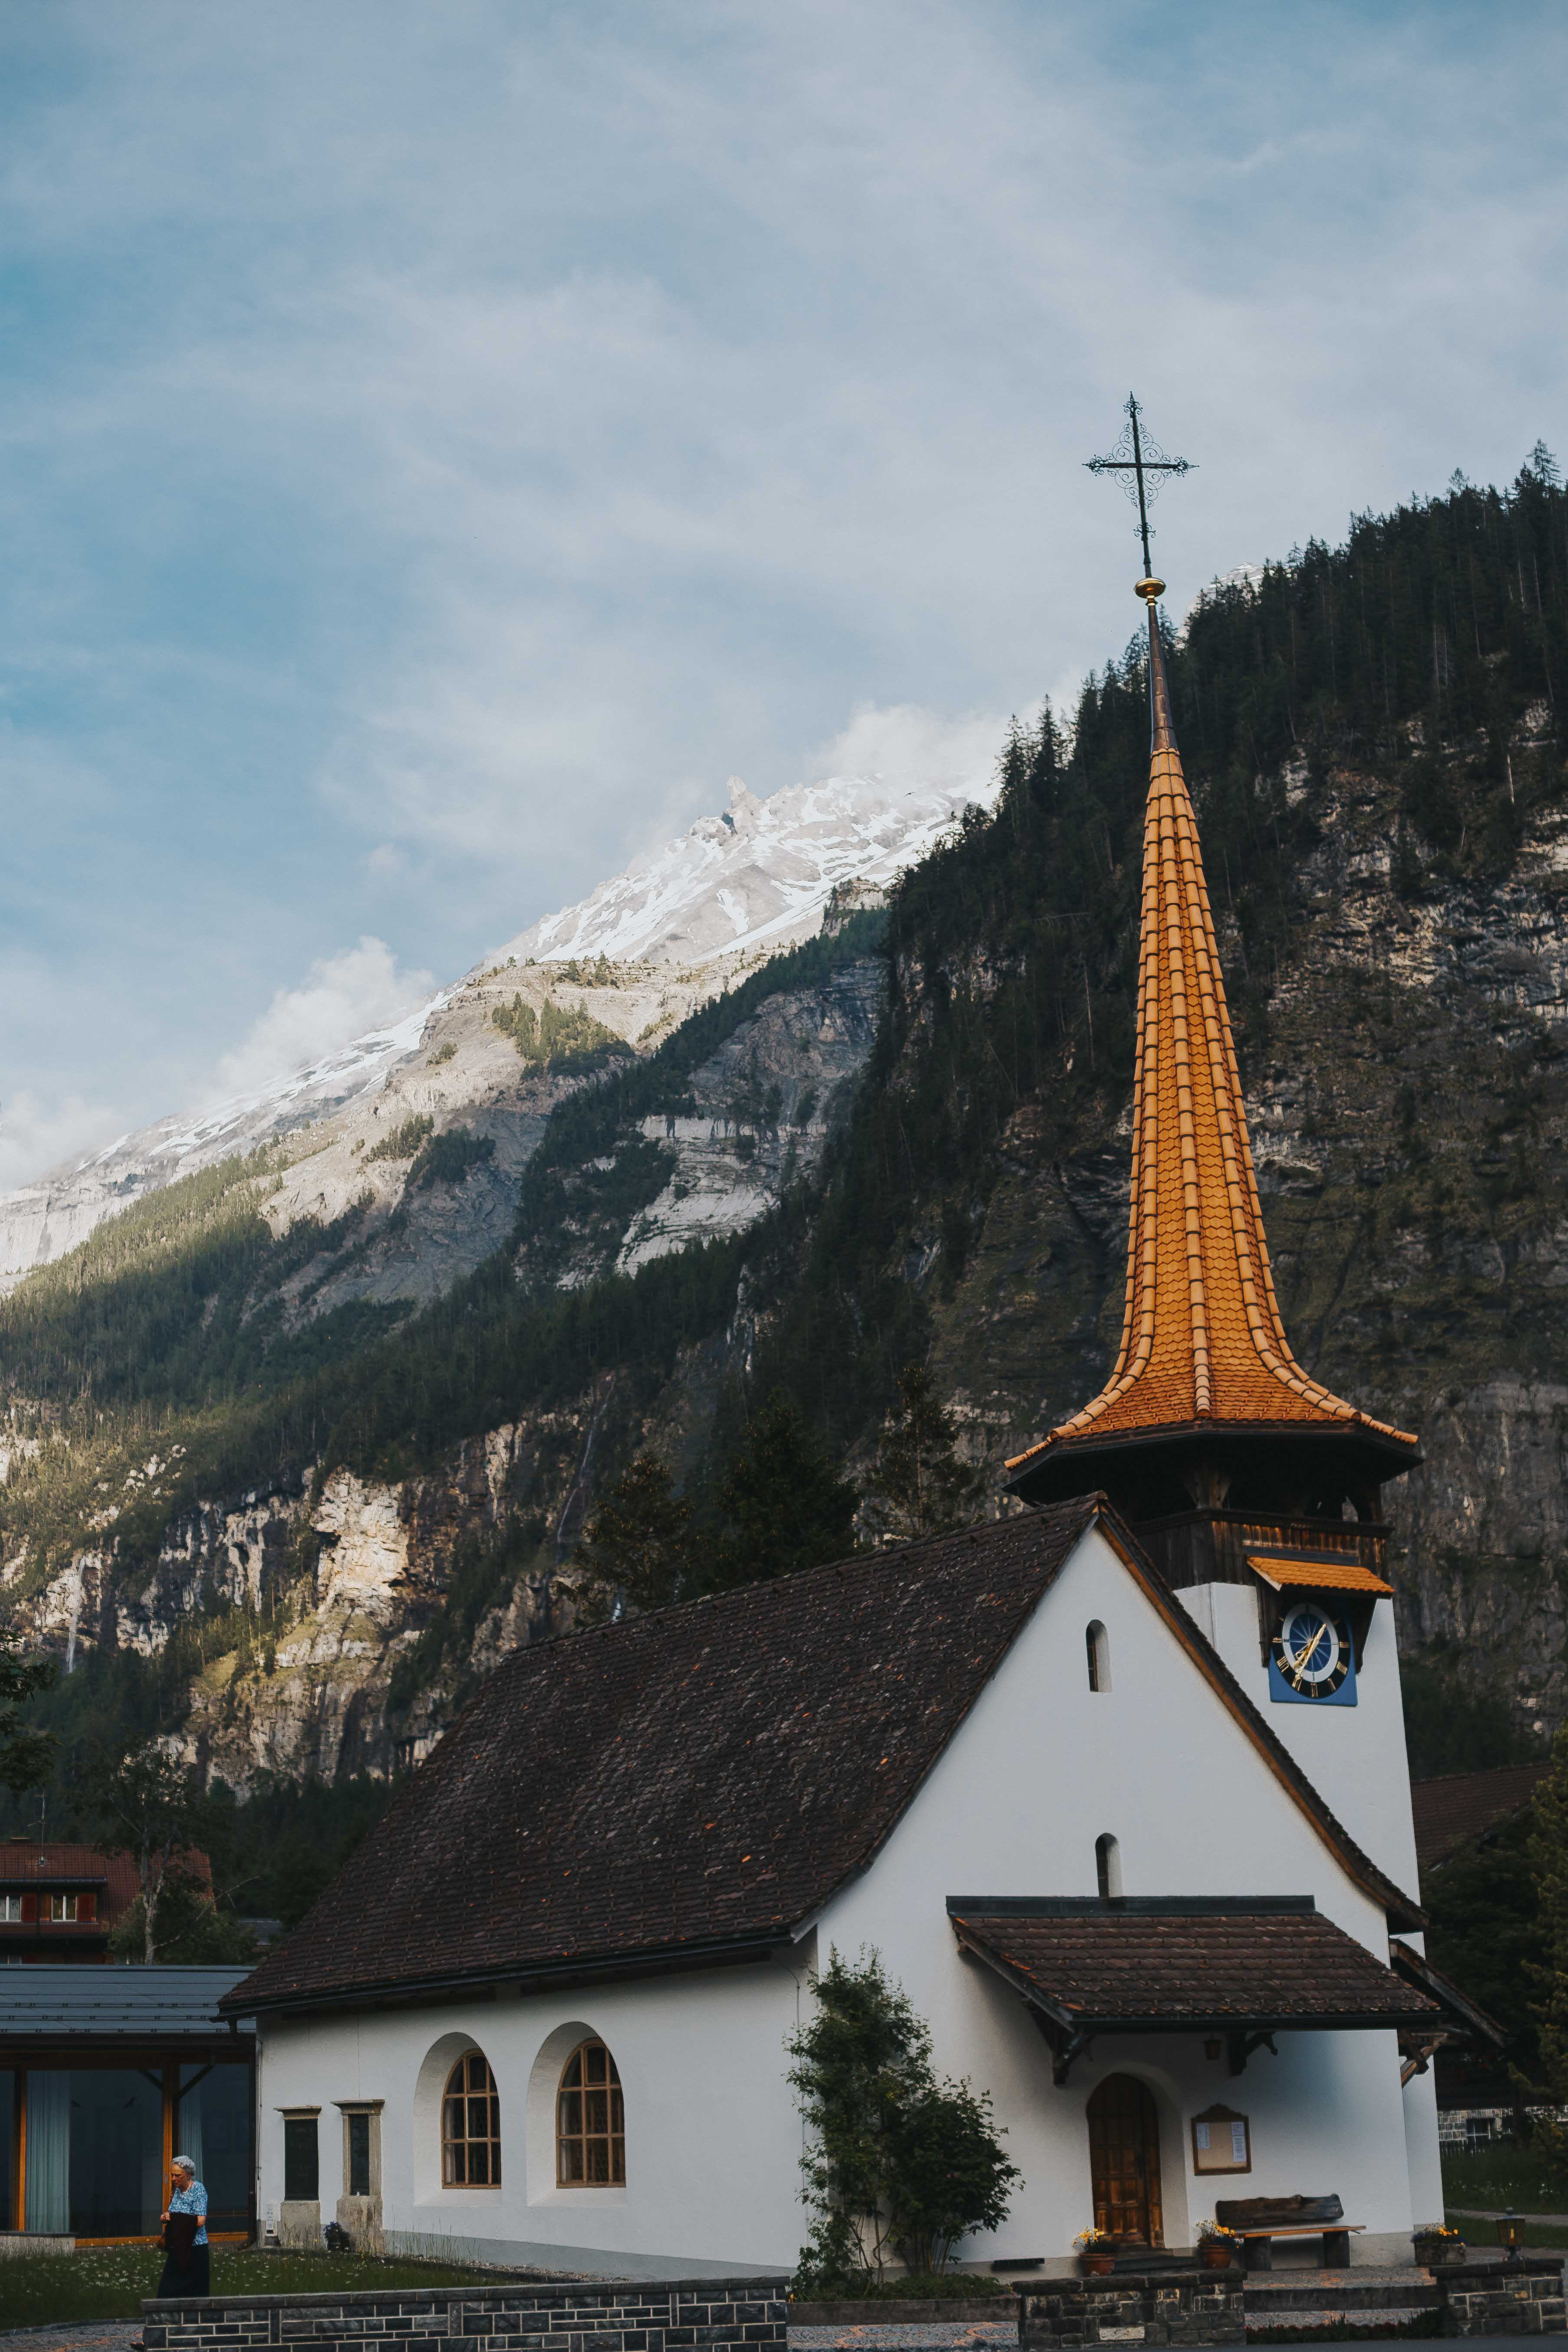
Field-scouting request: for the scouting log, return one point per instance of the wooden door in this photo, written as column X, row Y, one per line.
column 1124, row 2161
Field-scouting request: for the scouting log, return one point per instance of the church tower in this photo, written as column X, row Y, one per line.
column 1234, row 1466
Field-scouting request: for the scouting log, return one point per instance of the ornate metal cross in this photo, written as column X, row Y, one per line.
column 1135, row 455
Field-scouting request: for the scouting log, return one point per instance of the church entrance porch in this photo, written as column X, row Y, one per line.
column 1124, row 2161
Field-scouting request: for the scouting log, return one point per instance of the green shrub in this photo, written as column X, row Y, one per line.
column 404, row 1141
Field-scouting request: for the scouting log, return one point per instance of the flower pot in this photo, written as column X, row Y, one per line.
column 1440, row 2253
column 1097, row 2262
column 1216, row 2253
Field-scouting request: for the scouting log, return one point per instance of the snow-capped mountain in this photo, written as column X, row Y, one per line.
column 42, row 1220
column 694, row 913
column 758, row 876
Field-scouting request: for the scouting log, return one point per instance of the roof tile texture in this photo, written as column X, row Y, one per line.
column 1457, row 1807
column 704, row 1773
column 1201, row 1338
column 1237, row 1966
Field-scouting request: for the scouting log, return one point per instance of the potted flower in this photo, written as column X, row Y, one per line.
column 1217, row 2246
column 1095, row 2252
column 1438, row 2247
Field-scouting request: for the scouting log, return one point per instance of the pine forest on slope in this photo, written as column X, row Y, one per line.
column 288, row 1525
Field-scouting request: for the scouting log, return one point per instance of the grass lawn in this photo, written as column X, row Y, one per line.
column 923, row 2286
column 109, row 2282
column 1481, row 2236
column 1507, row 2174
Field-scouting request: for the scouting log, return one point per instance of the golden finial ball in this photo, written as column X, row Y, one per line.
column 1149, row 589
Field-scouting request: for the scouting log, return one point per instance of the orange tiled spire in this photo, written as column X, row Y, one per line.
column 1202, row 1341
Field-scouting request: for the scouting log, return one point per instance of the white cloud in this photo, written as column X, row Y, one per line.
column 905, row 744
column 37, row 1134
column 443, row 443
column 358, row 989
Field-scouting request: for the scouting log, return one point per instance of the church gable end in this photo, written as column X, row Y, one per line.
column 692, row 1786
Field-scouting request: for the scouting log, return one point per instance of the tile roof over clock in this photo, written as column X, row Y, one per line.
column 1203, row 1346
column 691, row 1786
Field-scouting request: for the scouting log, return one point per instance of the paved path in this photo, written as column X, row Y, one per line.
column 89, row 2336
column 1496, row 2213
column 908, row 2336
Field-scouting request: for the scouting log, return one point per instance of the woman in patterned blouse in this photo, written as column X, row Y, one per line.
column 187, row 2270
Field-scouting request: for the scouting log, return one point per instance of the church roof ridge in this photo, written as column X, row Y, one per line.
column 1203, row 1343
column 662, row 1794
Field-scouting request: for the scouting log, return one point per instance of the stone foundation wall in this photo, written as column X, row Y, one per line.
column 1490, row 2299
column 513, row 2315
column 1165, row 2306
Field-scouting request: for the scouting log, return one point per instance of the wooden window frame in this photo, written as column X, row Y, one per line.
column 465, row 2092
column 574, row 2128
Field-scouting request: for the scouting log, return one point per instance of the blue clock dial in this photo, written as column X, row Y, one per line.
column 1311, row 1655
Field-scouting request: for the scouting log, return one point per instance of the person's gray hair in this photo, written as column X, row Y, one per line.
column 182, row 2164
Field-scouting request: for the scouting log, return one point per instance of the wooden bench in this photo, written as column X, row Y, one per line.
column 1258, row 2220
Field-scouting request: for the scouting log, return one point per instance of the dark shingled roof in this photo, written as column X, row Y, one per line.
column 1459, row 1807
column 693, row 1785
column 1116, row 1966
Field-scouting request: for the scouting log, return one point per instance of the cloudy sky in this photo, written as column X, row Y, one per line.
column 439, row 445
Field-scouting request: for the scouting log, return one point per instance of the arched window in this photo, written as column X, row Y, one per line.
column 1108, row 1865
column 590, row 2121
column 471, row 2125
column 1098, row 1643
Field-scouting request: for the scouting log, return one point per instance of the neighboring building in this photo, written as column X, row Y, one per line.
column 105, row 2074
column 1116, row 1786
column 64, row 1902
column 1456, row 1810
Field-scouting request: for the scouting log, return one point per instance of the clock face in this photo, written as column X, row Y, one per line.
column 1311, row 1651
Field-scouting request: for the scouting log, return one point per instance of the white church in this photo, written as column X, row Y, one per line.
column 1116, row 1786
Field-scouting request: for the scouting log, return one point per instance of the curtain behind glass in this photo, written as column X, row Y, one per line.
column 49, row 2153
column 188, row 2122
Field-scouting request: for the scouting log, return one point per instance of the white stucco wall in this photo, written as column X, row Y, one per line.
column 1353, row 1755
column 713, row 2141
column 1041, row 1767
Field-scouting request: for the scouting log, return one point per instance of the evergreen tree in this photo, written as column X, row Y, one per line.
column 781, row 1504
column 639, row 1542
column 1484, row 1930
column 1548, row 1851
column 921, row 1485
column 26, row 1756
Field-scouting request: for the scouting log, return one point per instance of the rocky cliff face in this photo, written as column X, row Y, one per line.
column 1406, row 1076
column 328, row 1627
column 921, row 1154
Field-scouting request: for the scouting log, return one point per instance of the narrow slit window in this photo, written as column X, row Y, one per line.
column 1098, row 1643
column 590, row 2121
column 1108, row 1866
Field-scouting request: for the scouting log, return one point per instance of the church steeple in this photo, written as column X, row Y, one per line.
column 1204, row 1374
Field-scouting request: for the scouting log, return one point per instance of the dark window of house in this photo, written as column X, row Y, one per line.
column 359, row 2156
column 301, row 2165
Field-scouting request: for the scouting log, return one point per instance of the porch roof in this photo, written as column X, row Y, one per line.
column 1185, row 1964
column 39, row 2001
